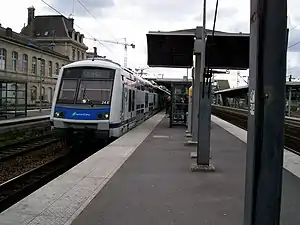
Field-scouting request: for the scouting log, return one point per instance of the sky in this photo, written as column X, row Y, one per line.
column 115, row 20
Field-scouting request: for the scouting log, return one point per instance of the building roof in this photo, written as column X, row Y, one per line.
column 9, row 35
column 192, row 32
column 45, row 26
column 237, row 91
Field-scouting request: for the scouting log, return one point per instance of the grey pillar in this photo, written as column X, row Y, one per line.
column 196, row 85
column 189, row 130
column 203, row 145
column 268, row 46
column 290, row 100
column 204, row 114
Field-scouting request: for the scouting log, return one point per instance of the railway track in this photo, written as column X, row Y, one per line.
column 18, row 187
column 24, row 147
column 15, row 189
column 239, row 117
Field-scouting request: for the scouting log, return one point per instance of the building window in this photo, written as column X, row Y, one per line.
column 42, row 95
column 2, row 58
column 50, row 94
column 78, row 55
column 82, row 56
column 33, row 94
column 50, row 69
column 33, row 66
column 73, row 54
column 25, row 63
column 43, row 67
column 14, row 60
column 56, row 68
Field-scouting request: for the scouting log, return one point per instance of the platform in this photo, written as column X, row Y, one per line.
column 30, row 114
column 144, row 178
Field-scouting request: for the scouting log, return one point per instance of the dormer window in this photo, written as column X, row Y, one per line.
column 81, row 38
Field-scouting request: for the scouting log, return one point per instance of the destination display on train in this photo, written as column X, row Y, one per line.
column 97, row 74
column 89, row 73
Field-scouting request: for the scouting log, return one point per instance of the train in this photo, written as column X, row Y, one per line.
column 98, row 98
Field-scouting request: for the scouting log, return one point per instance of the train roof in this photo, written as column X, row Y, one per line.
column 107, row 63
column 99, row 62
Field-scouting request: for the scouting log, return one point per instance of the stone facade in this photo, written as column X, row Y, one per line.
column 36, row 54
column 38, row 68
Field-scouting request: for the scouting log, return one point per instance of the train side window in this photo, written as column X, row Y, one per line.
column 129, row 102
column 146, row 100
column 133, row 100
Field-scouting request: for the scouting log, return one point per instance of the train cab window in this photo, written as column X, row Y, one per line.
column 86, row 83
column 95, row 91
column 67, row 91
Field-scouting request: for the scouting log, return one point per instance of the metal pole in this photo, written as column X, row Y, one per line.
column 203, row 145
column 290, row 97
column 40, row 84
column 190, row 111
column 125, row 57
column 268, row 46
column 290, row 101
column 196, row 91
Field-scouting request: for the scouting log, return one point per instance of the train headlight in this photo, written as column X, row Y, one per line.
column 59, row 114
column 103, row 116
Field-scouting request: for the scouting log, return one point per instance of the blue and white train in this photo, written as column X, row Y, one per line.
column 99, row 98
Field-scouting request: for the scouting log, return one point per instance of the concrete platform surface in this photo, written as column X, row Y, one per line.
column 291, row 174
column 61, row 200
column 155, row 185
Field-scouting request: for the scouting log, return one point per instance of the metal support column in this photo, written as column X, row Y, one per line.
column 268, row 46
column 290, row 101
column 196, row 87
column 189, row 120
column 204, row 116
column 190, row 109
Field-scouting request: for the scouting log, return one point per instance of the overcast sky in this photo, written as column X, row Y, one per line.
column 132, row 19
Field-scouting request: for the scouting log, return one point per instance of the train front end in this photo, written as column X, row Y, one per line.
column 81, row 108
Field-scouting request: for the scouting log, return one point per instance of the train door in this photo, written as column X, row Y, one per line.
column 126, row 105
column 130, row 105
column 123, row 101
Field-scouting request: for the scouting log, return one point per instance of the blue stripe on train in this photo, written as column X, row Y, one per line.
column 81, row 114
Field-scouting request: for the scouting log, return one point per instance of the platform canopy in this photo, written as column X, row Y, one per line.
column 175, row 49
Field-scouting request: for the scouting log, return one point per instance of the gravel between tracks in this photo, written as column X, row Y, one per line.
column 21, row 164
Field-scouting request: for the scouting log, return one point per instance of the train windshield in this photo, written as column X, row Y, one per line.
column 96, row 92
column 81, row 85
